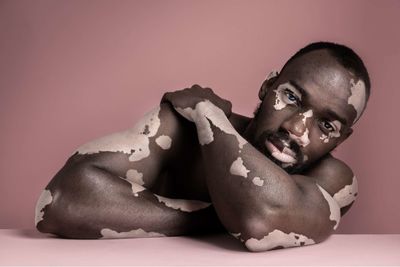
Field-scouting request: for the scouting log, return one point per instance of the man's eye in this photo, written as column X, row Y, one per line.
column 328, row 126
column 291, row 96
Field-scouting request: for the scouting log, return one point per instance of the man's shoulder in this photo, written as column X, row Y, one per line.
column 337, row 178
column 331, row 173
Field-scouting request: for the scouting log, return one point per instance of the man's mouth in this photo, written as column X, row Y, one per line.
column 280, row 150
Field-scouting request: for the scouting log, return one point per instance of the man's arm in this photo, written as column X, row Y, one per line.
column 257, row 201
column 337, row 179
column 103, row 189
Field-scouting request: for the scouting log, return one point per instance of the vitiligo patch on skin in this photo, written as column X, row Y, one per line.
column 135, row 176
column 204, row 131
column 347, row 194
column 280, row 100
column 238, row 168
column 324, row 138
column 306, row 115
column 137, row 233
column 279, row 103
column 136, row 188
column 333, row 207
column 45, row 199
column 302, row 140
column 164, row 142
column 185, row 205
column 204, row 111
column 358, row 97
column 134, row 141
column 278, row 238
column 257, row 181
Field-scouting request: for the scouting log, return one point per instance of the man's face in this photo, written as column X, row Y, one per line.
column 306, row 111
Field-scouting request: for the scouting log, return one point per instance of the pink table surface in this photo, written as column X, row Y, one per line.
column 28, row 247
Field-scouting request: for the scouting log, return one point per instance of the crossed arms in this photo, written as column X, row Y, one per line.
column 255, row 200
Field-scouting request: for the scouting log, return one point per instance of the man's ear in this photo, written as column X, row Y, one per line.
column 269, row 81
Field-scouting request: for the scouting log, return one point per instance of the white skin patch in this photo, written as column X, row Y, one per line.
column 205, row 111
column 134, row 141
column 135, row 176
column 45, row 199
column 347, row 194
column 164, row 142
column 238, row 168
column 335, row 134
column 324, row 138
column 185, row 205
column 204, row 131
column 258, row 181
column 358, row 97
column 136, row 188
column 137, row 233
column 302, row 140
column 333, row 207
column 281, row 100
column 278, row 238
column 306, row 115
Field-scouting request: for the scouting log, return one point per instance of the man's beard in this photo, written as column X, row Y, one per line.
column 260, row 144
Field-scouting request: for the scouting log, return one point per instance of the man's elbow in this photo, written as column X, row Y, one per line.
column 47, row 217
column 282, row 231
column 54, row 212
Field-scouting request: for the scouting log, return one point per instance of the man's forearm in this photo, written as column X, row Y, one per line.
column 90, row 202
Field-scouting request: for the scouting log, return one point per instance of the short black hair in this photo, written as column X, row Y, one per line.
column 344, row 55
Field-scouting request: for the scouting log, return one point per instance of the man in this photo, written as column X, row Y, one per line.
column 192, row 166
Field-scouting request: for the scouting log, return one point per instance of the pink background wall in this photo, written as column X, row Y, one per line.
column 71, row 71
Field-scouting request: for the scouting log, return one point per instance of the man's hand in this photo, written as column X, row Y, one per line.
column 190, row 97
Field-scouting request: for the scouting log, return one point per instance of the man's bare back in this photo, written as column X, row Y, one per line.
column 185, row 169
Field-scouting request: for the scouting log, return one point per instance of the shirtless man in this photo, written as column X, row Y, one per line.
column 192, row 166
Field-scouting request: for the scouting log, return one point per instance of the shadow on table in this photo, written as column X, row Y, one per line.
column 224, row 241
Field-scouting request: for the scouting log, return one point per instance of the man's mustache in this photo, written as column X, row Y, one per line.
column 283, row 137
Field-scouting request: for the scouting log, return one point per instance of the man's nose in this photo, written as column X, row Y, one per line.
column 296, row 127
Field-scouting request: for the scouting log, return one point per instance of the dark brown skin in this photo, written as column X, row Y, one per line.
column 89, row 194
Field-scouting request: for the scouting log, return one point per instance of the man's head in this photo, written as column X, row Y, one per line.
column 310, row 106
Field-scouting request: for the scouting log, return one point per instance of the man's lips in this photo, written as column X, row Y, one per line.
column 280, row 151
